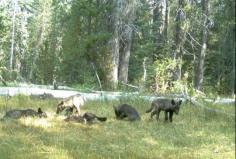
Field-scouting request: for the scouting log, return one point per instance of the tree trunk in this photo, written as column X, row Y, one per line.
column 178, row 48
column 160, row 26
column 166, row 21
column 113, row 59
column 151, row 13
column 200, row 57
column 128, row 16
column 143, row 85
column 13, row 35
column 124, row 58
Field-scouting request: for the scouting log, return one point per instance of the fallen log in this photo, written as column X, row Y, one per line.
column 199, row 104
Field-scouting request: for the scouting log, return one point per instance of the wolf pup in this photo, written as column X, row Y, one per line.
column 166, row 105
column 17, row 113
column 125, row 111
column 70, row 103
column 87, row 117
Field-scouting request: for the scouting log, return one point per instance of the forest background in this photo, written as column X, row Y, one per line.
column 155, row 46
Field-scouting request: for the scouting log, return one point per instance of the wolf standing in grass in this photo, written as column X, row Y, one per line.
column 166, row 105
column 72, row 102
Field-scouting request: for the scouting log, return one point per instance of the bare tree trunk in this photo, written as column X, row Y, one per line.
column 166, row 21
column 14, row 2
column 128, row 15
column 124, row 14
column 115, row 58
column 178, row 48
column 160, row 25
column 113, row 61
column 151, row 8
column 124, row 58
column 200, row 57
column 143, row 85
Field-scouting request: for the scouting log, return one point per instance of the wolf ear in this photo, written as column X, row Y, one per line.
column 172, row 102
column 40, row 110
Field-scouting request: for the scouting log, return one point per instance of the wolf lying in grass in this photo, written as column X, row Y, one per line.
column 87, row 117
column 17, row 113
column 125, row 111
column 70, row 103
column 166, row 105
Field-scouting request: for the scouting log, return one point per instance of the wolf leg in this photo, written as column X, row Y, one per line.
column 152, row 114
column 157, row 114
column 166, row 116
column 170, row 116
column 77, row 104
column 77, row 107
column 79, row 111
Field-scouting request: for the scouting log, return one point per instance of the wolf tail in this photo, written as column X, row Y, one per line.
column 149, row 110
column 101, row 118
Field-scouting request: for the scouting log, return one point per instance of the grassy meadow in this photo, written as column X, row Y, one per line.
column 195, row 133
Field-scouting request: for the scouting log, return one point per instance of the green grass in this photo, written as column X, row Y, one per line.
column 195, row 133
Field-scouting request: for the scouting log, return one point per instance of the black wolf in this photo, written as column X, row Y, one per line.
column 169, row 106
column 125, row 111
column 70, row 103
column 87, row 117
column 17, row 113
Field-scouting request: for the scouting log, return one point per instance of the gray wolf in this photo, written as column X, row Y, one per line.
column 18, row 113
column 169, row 106
column 72, row 102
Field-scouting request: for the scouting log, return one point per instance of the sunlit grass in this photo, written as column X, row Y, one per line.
column 195, row 133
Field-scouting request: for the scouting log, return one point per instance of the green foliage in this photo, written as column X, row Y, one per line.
column 161, row 75
column 59, row 39
column 221, row 57
column 84, row 42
